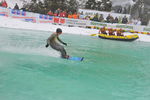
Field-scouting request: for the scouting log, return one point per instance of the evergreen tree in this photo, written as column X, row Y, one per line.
column 90, row 4
column 104, row 5
column 73, row 5
column 46, row 5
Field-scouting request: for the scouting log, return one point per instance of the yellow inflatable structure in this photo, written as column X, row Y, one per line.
column 121, row 38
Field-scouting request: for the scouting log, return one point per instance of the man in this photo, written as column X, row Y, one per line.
column 16, row 7
column 124, row 20
column 4, row 4
column 102, row 31
column 52, row 41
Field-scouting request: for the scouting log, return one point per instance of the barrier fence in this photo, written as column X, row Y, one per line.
column 40, row 18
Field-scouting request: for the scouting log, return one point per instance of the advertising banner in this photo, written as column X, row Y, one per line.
column 124, row 26
column 77, row 22
column 3, row 11
column 92, row 23
column 146, row 29
column 22, row 15
column 45, row 19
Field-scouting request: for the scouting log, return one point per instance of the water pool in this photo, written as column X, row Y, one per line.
column 111, row 70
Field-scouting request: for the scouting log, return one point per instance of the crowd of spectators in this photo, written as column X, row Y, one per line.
column 111, row 19
column 64, row 13
column 97, row 17
column 75, row 15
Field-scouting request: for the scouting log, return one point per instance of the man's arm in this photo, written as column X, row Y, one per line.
column 49, row 40
column 61, row 41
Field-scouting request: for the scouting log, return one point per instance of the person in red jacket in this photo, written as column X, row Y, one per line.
column 4, row 4
column 50, row 13
column 63, row 14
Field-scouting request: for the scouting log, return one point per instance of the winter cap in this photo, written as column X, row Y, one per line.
column 59, row 30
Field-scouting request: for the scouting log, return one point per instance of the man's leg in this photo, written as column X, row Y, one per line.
column 63, row 53
column 61, row 49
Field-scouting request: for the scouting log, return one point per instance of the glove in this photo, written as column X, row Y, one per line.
column 46, row 45
column 65, row 44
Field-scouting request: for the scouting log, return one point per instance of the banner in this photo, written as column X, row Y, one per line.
column 3, row 11
column 77, row 22
column 22, row 15
column 124, row 26
column 45, row 19
column 98, row 24
column 146, row 29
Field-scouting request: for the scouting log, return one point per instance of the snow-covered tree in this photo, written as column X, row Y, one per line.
column 44, row 6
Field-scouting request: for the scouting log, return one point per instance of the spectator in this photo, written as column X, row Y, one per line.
column 81, row 16
column 120, row 19
column 108, row 18
column 101, row 18
column 124, row 20
column 111, row 19
column 64, row 13
column 139, row 22
column 75, row 15
column 95, row 17
column 116, row 20
column 57, row 12
column 16, row 7
column 4, row 4
column 70, row 15
column 87, row 17
column 134, row 21
column 50, row 13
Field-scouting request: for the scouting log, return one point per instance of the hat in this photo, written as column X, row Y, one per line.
column 58, row 30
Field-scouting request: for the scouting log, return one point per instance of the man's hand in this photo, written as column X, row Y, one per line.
column 65, row 44
column 46, row 45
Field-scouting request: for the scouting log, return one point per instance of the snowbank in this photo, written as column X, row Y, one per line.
column 14, row 23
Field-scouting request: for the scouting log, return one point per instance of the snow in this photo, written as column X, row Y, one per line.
column 18, row 24
column 14, row 23
column 11, row 3
column 124, row 3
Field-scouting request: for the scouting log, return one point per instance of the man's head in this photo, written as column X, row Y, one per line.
column 58, row 30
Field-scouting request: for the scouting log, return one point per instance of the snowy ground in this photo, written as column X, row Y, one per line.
column 14, row 23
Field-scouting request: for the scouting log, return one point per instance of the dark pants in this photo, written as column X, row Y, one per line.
column 59, row 48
